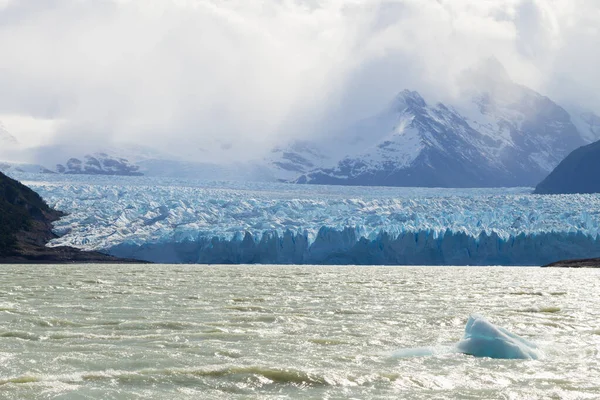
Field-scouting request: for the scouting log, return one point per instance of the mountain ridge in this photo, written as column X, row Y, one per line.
column 504, row 134
column 493, row 133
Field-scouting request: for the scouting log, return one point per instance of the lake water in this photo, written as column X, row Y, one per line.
column 277, row 332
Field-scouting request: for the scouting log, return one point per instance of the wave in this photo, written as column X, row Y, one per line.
column 20, row 335
column 273, row 375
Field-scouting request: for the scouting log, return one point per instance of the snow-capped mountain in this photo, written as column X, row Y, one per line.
column 98, row 164
column 421, row 146
column 10, row 168
column 124, row 159
column 494, row 133
column 131, row 160
column 498, row 133
column 119, row 159
column 298, row 157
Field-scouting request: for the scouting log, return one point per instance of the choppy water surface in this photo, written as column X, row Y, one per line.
column 155, row 332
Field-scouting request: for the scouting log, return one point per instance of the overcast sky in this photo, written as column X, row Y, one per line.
column 240, row 75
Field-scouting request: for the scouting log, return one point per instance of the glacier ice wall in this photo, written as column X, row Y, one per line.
column 223, row 222
column 341, row 247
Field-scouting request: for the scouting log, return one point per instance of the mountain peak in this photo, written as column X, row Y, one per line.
column 489, row 75
column 408, row 99
column 500, row 134
column 493, row 69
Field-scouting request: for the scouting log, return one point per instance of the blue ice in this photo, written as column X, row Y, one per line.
column 481, row 339
column 172, row 221
column 484, row 339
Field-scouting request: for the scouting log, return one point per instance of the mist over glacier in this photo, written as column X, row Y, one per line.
column 216, row 81
column 185, row 221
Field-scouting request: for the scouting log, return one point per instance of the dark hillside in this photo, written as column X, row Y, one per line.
column 23, row 216
column 586, row 263
column 579, row 172
column 26, row 227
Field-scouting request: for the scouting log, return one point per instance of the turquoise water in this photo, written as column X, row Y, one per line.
column 278, row 332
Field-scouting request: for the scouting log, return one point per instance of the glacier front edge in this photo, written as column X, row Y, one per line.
column 185, row 221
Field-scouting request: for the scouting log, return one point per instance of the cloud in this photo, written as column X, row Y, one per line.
column 218, row 80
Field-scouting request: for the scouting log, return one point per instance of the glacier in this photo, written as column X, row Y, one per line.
column 186, row 221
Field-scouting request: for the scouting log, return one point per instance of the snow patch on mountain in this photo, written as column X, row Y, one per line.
column 98, row 164
column 289, row 160
column 401, row 146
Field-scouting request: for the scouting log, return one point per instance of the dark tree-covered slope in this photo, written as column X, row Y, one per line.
column 23, row 215
column 579, row 172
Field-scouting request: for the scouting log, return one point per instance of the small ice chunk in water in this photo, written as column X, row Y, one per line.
column 414, row 352
column 484, row 339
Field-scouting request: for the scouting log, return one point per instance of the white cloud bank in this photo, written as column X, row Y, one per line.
column 187, row 75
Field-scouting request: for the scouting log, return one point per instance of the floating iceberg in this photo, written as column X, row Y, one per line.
column 183, row 221
column 481, row 339
column 484, row 339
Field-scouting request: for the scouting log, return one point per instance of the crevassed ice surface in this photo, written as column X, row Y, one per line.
column 231, row 222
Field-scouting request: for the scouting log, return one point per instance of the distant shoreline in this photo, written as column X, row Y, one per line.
column 583, row 263
column 63, row 255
